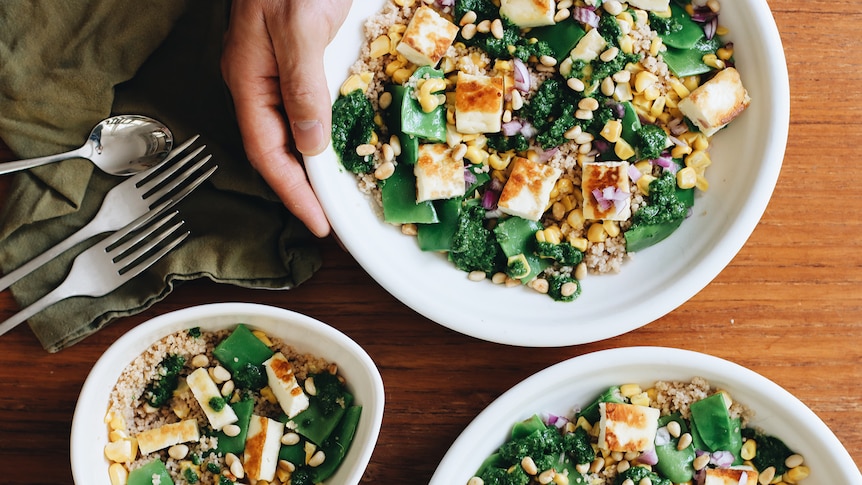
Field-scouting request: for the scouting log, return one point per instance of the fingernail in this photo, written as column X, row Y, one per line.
column 308, row 136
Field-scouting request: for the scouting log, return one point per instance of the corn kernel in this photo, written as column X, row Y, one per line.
column 655, row 46
column 575, row 219
column 553, row 234
column 749, row 450
column 475, row 155
column 795, row 475
column 629, row 390
column 641, row 399
column 701, row 142
column 267, row 394
column 612, row 228
column 623, row 150
column 686, row 178
column 627, row 44
column 612, row 130
column 118, row 474
column 644, row 80
column 680, row 151
column 721, row 31
column 691, row 82
column 643, row 183
column 401, row 75
column 702, row 184
column 596, row 233
column 380, row 46
column 725, row 53
column 698, row 160
column 580, row 243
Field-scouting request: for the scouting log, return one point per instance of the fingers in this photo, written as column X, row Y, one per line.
column 250, row 71
column 299, row 51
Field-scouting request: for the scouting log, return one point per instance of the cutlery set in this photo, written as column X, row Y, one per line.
column 143, row 228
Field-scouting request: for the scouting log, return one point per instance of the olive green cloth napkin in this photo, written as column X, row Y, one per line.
column 66, row 65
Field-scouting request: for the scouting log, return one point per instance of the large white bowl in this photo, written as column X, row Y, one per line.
column 746, row 158
column 90, row 434
column 577, row 381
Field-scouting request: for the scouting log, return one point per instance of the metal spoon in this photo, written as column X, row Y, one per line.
column 121, row 145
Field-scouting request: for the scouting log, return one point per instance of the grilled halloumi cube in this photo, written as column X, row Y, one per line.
column 589, row 47
column 262, row 444
column 611, row 180
column 529, row 13
column 528, row 190
column 438, row 175
column 206, row 393
column 282, row 381
column 651, row 5
column 716, row 102
column 478, row 103
column 627, row 427
column 168, row 435
column 427, row 37
column 730, row 476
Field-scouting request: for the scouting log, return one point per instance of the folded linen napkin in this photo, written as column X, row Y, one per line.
column 64, row 66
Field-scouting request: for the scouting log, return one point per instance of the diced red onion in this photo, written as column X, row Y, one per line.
column 721, row 459
column 662, row 435
column 710, row 27
column 545, row 155
column 489, row 199
column 469, row 176
column 528, row 130
column 677, row 127
column 586, row 16
column 512, row 127
column 663, row 161
column 743, row 478
column 649, row 457
column 522, row 75
column 618, row 109
column 634, row 173
column 446, row 3
column 609, row 197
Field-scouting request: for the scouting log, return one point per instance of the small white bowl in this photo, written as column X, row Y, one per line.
column 746, row 158
column 577, row 381
column 90, row 433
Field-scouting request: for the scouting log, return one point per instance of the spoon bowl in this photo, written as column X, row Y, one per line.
column 121, row 145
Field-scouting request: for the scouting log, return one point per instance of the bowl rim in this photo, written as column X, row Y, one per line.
column 224, row 315
column 514, row 403
column 345, row 213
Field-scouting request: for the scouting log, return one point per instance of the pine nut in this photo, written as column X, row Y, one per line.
column 178, row 452
column 476, row 481
column 230, row 458
column 581, row 271
column 310, row 388
column 286, row 466
column 497, row 28
column 409, row 229
column 227, row 388
column 766, row 476
column 237, row 470
column 572, row 133
column 623, row 466
column 547, row 61
column 476, row 275
column 395, row 143
column 529, row 466
column 609, row 54
column 576, row 84
column 794, row 461
column 317, row 459
column 562, row 14
column 569, row 288
column 468, row 18
column 613, row 7
column 385, row 100
column 384, row 170
column 547, row 476
column 583, row 114
column 388, row 152
column 365, row 149
column 622, row 76
column 484, row 26
column 674, row 429
column 290, row 439
column 684, row 441
column 645, row 481
column 468, row 31
column 118, row 473
column 231, row 430
column 701, row 461
column 608, row 86
column 517, row 100
column 597, row 465
column 540, row 285
column 590, row 104
column 200, row 360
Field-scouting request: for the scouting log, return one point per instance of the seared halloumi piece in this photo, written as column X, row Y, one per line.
column 529, row 13
column 478, row 103
column 205, row 391
column 627, row 427
column 730, row 476
column 168, row 435
column 589, row 47
column 528, row 190
column 651, row 5
column 715, row 103
column 427, row 38
column 282, row 381
column 262, row 444
column 438, row 175
column 611, row 179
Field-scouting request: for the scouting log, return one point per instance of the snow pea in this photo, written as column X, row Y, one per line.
column 631, row 124
column 236, row 444
column 153, row 472
column 241, row 347
column 712, row 423
column 407, row 115
column 689, row 33
column 673, row 463
column 517, row 236
column 646, row 235
column 561, row 37
column 689, row 62
column 317, row 426
column 592, row 412
column 527, row 427
column 438, row 237
column 337, row 445
column 399, row 199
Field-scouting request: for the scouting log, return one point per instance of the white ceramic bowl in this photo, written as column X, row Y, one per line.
column 90, row 434
column 747, row 157
column 577, row 381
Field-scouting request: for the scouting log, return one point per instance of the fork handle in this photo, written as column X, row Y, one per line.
column 9, row 167
column 34, row 308
column 80, row 235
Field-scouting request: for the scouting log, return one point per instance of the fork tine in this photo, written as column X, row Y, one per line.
column 136, row 266
column 134, row 225
column 188, row 188
column 177, row 180
column 120, row 251
column 168, row 172
column 173, row 154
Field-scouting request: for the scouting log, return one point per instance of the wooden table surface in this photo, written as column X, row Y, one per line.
column 789, row 306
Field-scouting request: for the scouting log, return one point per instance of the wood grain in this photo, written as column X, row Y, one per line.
column 789, row 306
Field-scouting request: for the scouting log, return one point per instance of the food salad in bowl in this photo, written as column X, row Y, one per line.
column 228, row 394
column 646, row 415
column 561, row 148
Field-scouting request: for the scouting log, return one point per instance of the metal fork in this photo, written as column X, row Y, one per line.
column 130, row 200
column 108, row 264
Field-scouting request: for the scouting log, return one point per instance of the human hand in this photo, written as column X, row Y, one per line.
column 273, row 65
